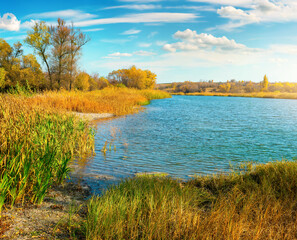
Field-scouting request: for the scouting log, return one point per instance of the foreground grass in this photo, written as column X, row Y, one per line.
column 280, row 95
column 257, row 204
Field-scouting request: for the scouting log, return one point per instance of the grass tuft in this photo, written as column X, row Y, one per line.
column 257, row 203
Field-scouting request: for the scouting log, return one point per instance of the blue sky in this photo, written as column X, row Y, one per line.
column 189, row 40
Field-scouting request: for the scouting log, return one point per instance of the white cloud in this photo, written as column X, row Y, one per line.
column 28, row 24
column 116, row 41
column 131, row 32
column 191, row 41
column 93, row 30
column 140, row 1
column 195, row 8
column 20, row 37
column 156, row 17
column 9, row 22
column 67, row 14
column 135, row 7
column 118, row 54
column 138, row 53
column 287, row 49
column 144, row 53
column 160, row 43
column 145, row 45
column 279, row 60
column 152, row 34
column 260, row 11
column 241, row 3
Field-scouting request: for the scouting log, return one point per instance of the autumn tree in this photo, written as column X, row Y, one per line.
column 100, row 82
column 5, row 54
column 82, row 81
column 17, row 68
column 31, row 72
column 225, row 87
column 39, row 38
column 77, row 41
column 60, row 40
column 59, row 48
column 133, row 78
column 2, row 77
column 264, row 83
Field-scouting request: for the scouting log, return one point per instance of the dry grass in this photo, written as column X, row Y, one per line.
column 118, row 101
column 258, row 204
column 279, row 95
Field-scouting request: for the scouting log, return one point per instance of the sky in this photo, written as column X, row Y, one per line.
column 179, row 40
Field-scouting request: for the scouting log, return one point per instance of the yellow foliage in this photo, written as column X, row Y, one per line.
column 225, row 87
column 2, row 77
column 82, row 81
column 133, row 78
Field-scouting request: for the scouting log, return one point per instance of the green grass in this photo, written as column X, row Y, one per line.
column 258, row 202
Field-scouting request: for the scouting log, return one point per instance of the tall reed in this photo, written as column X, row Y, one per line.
column 36, row 145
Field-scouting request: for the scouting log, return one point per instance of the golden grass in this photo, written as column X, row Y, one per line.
column 257, row 204
column 280, row 95
column 118, row 101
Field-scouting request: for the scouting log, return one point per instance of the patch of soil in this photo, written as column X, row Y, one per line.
column 61, row 212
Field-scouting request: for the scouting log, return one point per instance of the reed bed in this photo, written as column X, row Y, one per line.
column 279, row 95
column 39, row 136
column 36, row 145
column 257, row 203
column 119, row 101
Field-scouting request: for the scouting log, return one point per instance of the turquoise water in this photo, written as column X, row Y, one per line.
column 188, row 135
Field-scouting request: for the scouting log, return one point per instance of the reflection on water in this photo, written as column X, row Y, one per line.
column 184, row 136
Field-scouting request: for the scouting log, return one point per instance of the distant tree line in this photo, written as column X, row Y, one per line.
column 59, row 49
column 231, row 86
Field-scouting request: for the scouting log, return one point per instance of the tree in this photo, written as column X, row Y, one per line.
column 150, row 81
column 225, row 87
column 77, row 41
column 60, row 39
column 264, row 83
column 59, row 47
column 100, row 82
column 31, row 72
column 39, row 38
column 2, row 77
column 133, row 78
column 82, row 81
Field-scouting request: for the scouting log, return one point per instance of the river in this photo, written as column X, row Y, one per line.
column 189, row 135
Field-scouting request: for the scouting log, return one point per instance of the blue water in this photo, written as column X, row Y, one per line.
column 189, row 135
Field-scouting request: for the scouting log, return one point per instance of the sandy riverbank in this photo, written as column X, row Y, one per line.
column 49, row 219
column 93, row 116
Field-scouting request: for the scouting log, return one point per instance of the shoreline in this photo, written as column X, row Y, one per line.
column 93, row 116
column 270, row 95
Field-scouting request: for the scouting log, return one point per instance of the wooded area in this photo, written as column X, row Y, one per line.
column 58, row 49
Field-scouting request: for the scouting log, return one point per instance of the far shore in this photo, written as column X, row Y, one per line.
column 277, row 95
